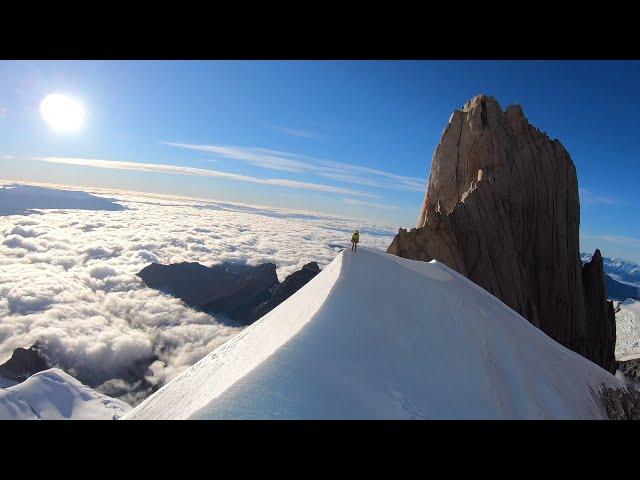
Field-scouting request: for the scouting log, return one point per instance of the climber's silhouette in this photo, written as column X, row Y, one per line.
column 355, row 238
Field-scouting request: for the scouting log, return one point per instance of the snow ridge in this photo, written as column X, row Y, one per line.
column 55, row 395
column 375, row 336
column 212, row 375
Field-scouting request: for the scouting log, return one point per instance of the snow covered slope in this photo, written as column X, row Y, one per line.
column 55, row 395
column 375, row 336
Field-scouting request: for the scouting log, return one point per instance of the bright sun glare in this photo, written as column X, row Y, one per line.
column 62, row 113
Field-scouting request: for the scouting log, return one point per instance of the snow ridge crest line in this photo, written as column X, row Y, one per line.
column 210, row 377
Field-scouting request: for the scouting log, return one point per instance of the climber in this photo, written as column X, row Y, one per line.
column 355, row 238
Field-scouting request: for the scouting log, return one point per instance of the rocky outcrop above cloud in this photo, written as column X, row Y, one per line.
column 23, row 363
column 241, row 292
column 502, row 208
column 228, row 288
column 196, row 284
column 288, row 287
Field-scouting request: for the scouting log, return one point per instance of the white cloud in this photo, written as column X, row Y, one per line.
column 291, row 162
column 201, row 172
column 67, row 278
column 351, row 201
column 270, row 159
column 296, row 132
column 618, row 239
column 588, row 197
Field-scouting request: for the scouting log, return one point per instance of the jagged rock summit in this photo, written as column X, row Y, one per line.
column 502, row 208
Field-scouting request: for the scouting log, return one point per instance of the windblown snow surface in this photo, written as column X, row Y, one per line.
column 375, row 336
column 55, row 395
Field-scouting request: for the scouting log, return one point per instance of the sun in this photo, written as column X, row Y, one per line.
column 62, row 113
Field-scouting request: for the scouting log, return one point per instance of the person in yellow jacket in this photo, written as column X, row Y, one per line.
column 355, row 238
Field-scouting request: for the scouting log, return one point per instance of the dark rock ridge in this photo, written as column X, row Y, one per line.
column 621, row 404
column 23, row 363
column 240, row 292
column 253, row 287
column 600, row 315
column 630, row 368
column 502, row 208
column 197, row 285
column 288, row 287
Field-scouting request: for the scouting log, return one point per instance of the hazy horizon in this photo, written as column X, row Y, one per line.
column 349, row 138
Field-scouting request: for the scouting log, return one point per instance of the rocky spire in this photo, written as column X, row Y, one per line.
column 599, row 308
column 502, row 208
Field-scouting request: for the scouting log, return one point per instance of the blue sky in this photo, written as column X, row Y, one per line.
column 350, row 137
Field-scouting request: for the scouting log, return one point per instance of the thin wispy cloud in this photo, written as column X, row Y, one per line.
column 294, row 132
column 3, row 112
column 264, row 158
column 352, row 201
column 291, row 162
column 619, row 239
column 350, row 174
column 201, row 172
column 588, row 197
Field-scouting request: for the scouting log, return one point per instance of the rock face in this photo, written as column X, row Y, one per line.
column 241, row 292
column 252, row 288
column 196, row 284
column 621, row 404
column 630, row 368
column 23, row 363
column 288, row 287
column 502, row 208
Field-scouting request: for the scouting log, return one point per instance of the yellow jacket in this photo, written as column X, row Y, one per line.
column 355, row 237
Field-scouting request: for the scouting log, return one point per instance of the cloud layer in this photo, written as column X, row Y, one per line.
column 67, row 278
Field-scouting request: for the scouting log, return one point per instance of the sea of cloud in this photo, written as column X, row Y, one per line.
column 67, row 279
